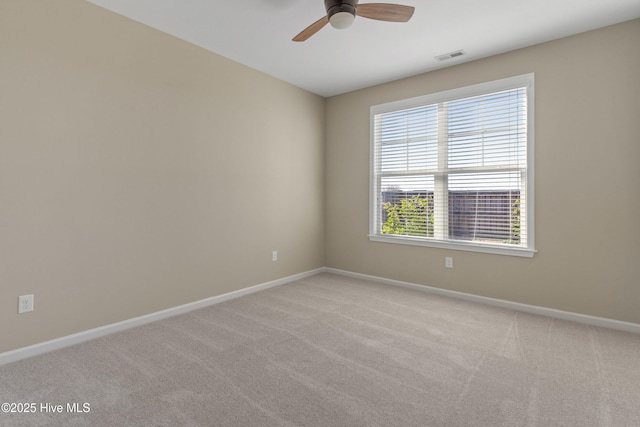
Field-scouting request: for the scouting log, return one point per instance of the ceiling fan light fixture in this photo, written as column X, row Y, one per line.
column 342, row 20
column 342, row 13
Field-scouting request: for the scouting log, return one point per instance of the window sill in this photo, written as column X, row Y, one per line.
column 457, row 246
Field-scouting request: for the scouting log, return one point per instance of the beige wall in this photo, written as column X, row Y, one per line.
column 139, row 172
column 587, row 178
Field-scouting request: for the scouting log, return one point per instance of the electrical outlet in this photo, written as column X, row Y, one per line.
column 448, row 262
column 25, row 303
column 274, row 256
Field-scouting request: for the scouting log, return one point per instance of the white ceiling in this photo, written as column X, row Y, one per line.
column 258, row 33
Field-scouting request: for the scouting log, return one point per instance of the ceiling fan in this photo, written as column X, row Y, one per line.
column 341, row 14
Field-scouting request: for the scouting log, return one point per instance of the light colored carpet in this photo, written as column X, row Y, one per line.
column 335, row 351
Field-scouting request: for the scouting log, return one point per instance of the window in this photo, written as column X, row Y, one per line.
column 455, row 169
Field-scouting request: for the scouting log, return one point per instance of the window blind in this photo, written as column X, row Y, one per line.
column 454, row 170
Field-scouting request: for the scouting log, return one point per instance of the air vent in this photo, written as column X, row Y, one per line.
column 450, row 55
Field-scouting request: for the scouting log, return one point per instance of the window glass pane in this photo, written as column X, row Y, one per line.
column 407, row 206
column 485, row 216
column 485, row 207
column 487, row 131
column 408, row 139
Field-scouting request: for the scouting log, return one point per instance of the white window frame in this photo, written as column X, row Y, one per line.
column 375, row 234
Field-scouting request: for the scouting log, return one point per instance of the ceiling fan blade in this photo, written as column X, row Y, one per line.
column 311, row 29
column 385, row 12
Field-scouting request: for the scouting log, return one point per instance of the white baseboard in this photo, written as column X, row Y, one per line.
column 69, row 340
column 550, row 312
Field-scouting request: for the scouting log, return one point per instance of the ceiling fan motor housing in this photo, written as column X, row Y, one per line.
column 335, row 6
